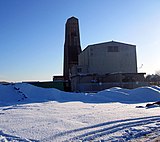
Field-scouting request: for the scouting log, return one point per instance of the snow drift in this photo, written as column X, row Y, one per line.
column 26, row 93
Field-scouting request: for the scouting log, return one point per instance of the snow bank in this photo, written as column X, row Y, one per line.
column 138, row 95
column 145, row 94
column 8, row 94
column 26, row 93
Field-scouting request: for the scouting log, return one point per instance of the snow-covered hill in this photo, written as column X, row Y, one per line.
column 29, row 113
column 26, row 93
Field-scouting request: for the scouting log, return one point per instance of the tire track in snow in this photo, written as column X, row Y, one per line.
column 102, row 124
column 154, row 136
column 10, row 138
column 89, row 129
column 111, row 129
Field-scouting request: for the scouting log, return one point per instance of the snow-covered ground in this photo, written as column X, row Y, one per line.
column 31, row 114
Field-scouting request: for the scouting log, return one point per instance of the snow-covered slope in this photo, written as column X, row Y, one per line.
column 29, row 114
column 26, row 93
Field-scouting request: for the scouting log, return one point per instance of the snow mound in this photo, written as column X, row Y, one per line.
column 145, row 94
column 26, row 93
column 8, row 94
column 138, row 95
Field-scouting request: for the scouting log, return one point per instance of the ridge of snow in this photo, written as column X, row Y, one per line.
column 26, row 93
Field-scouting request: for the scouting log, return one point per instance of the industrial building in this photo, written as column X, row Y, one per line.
column 106, row 65
column 98, row 66
column 109, row 57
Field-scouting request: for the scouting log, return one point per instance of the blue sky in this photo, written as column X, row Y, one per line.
column 32, row 33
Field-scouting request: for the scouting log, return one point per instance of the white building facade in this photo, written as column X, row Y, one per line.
column 109, row 57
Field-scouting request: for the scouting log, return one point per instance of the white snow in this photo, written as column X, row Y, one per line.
column 29, row 113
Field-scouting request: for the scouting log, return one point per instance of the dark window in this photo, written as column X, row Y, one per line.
column 113, row 49
column 79, row 70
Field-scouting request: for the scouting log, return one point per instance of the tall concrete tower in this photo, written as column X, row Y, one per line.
column 72, row 46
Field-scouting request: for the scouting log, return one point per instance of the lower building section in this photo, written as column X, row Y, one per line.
column 95, row 82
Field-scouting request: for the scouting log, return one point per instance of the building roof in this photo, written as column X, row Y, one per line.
column 103, row 43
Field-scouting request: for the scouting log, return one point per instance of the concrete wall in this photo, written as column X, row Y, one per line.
column 109, row 57
column 92, row 82
column 50, row 84
column 95, row 87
